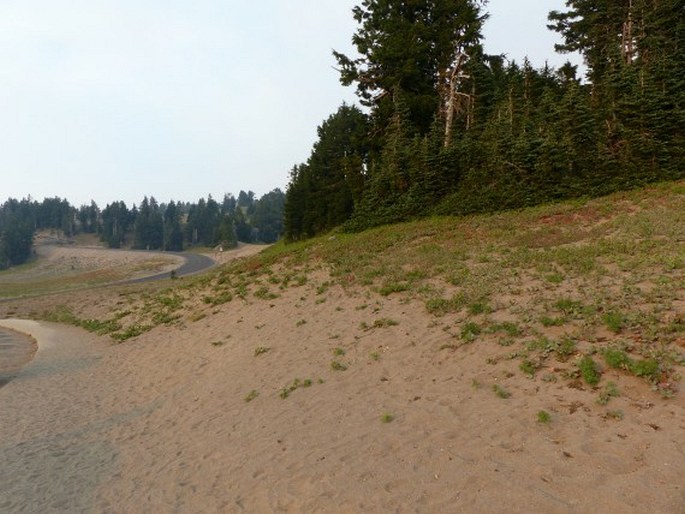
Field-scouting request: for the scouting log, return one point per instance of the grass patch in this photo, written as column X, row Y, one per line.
column 384, row 323
column 610, row 391
column 589, row 370
column 501, row 392
column 251, row 396
column 338, row 366
column 615, row 321
column 386, row 417
column 544, row 417
column 261, row 350
column 470, row 331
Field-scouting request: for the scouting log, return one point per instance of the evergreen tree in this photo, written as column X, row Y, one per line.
column 173, row 235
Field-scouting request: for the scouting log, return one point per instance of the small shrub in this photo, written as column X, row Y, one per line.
column 511, row 329
column 568, row 306
column 387, row 417
column 251, row 396
column 442, row 306
column 385, row 322
column 501, row 392
column 616, row 358
column 393, row 287
column 338, row 366
column 261, row 350
column 479, row 308
column 614, row 321
column 565, row 348
column 589, row 370
column 470, row 331
column 544, row 417
column 646, row 368
column 615, row 414
column 552, row 322
column 610, row 391
column 529, row 367
column 338, row 351
column 263, row 293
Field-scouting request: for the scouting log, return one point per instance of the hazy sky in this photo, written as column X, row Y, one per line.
column 117, row 99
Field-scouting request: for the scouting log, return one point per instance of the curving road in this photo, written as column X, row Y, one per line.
column 194, row 263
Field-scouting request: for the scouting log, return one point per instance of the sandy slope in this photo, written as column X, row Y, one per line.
column 160, row 423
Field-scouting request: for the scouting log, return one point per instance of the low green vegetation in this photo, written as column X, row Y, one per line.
column 501, row 392
column 386, row 417
column 544, row 417
column 589, row 370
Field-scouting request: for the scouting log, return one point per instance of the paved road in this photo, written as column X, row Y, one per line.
column 194, row 263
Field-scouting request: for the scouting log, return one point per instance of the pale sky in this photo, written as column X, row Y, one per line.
column 116, row 99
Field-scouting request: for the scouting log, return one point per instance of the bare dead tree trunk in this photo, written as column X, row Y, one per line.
column 453, row 99
column 627, row 40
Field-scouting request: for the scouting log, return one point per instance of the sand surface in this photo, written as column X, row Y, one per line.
column 161, row 423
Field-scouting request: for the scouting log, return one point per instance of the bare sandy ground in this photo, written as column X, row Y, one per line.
column 161, row 423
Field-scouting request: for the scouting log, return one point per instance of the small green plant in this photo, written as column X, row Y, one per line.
column 589, row 370
column 470, row 331
column 251, row 395
column 568, row 306
column 300, row 322
column 616, row 358
column 552, row 322
column 478, row 308
column 565, row 348
column 338, row 351
column 646, row 368
column 296, row 384
column 393, row 287
column 338, row 366
column 217, row 343
column 260, row 350
column 509, row 328
column 386, row 417
column 529, row 367
column 375, row 356
column 615, row 414
column 385, row 322
column 264, row 294
column 544, row 417
column 614, row 321
column 610, row 391
column 554, row 278
column 442, row 306
column 501, row 392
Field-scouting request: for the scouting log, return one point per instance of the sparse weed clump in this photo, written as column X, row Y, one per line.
column 261, row 350
column 386, row 417
column 529, row 367
column 385, row 322
column 338, row 366
column 470, row 331
column 589, row 370
column 614, row 321
column 501, row 392
column 251, row 396
column 610, row 391
column 296, row 384
column 544, row 417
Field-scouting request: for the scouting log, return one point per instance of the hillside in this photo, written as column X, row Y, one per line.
column 512, row 361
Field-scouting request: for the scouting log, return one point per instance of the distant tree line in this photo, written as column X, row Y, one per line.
column 153, row 226
column 453, row 130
